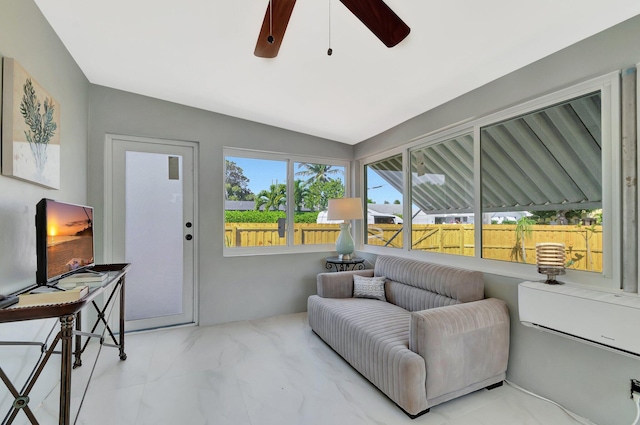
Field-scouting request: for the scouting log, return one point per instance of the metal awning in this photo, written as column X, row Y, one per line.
column 544, row 160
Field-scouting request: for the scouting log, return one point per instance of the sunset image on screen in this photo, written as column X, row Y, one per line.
column 69, row 237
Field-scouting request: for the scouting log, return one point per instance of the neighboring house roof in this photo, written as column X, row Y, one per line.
column 248, row 206
column 392, row 209
column 239, row 205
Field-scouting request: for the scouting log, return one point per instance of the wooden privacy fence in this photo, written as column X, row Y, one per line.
column 583, row 245
column 266, row 234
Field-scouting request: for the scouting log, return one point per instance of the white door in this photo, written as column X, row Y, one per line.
column 153, row 227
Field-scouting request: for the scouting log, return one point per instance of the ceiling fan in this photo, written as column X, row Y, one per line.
column 375, row 14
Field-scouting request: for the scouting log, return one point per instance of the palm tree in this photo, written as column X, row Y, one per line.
column 317, row 172
column 273, row 198
column 300, row 192
column 524, row 229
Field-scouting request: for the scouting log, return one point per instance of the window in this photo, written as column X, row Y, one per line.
column 542, row 182
column 262, row 191
column 314, row 185
column 490, row 189
column 384, row 186
column 442, row 196
column 255, row 202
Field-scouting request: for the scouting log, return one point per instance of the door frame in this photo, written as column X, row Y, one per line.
column 108, row 215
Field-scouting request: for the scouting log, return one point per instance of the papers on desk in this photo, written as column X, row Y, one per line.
column 36, row 297
column 84, row 277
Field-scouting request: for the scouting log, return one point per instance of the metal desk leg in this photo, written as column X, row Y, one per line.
column 20, row 402
column 78, row 348
column 123, row 355
column 66, row 335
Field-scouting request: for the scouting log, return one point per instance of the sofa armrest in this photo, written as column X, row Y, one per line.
column 339, row 284
column 462, row 344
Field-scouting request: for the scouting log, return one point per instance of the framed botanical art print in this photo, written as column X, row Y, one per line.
column 30, row 128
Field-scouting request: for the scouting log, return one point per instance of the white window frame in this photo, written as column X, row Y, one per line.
column 431, row 141
column 363, row 178
column 290, row 160
column 609, row 279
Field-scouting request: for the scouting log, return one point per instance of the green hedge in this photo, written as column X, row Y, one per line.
column 306, row 217
column 267, row 216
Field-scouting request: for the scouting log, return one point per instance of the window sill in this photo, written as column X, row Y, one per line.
column 278, row 250
column 519, row 271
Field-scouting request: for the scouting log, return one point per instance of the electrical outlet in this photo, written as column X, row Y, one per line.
column 635, row 387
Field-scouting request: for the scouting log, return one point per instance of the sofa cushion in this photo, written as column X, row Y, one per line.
column 373, row 337
column 416, row 285
column 369, row 287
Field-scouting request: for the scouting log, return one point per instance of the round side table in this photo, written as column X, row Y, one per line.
column 339, row 265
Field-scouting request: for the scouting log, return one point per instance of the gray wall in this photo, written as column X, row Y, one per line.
column 232, row 288
column 611, row 50
column 590, row 381
column 28, row 38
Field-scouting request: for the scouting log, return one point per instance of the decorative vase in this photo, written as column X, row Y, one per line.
column 344, row 243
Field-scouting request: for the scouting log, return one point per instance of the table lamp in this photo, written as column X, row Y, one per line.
column 345, row 209
column 550, row 258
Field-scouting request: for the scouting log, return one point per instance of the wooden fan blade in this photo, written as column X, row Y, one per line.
column 274, row 25
column 380, row 19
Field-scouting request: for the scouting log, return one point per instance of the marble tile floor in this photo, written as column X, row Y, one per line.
column 267, row 372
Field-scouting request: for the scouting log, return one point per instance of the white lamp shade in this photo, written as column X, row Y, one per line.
column 345, row 209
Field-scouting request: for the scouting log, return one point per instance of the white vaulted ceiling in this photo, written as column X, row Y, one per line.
column 200, row 53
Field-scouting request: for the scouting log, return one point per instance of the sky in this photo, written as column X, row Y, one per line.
column 262, row 173
column 379, row 190
column 66, row 219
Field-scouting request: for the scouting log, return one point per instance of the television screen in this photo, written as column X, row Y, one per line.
column 64, row 239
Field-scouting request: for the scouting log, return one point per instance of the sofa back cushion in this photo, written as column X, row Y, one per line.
column 417, row 285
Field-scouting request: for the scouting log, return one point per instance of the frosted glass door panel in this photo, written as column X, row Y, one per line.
column 154, row 227
column 153, row 235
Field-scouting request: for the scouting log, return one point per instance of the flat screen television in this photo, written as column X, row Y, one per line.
column 64, row 239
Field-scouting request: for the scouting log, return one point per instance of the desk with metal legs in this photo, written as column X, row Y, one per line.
column 68, row 314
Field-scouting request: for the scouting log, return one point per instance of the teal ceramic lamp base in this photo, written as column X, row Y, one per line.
column 345, row 209
column 344, row 243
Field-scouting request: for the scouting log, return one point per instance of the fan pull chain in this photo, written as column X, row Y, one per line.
column 329, row 50
column 270, row 38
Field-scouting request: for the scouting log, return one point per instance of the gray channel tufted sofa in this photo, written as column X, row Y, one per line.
column 434, row 339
